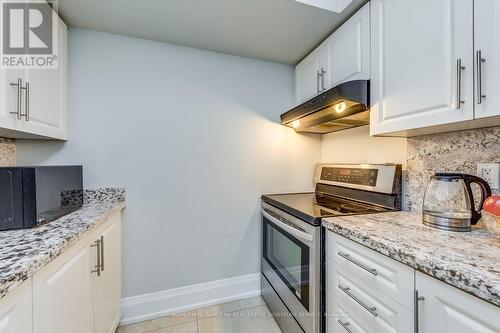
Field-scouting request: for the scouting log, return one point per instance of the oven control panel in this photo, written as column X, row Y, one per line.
column 367, row 177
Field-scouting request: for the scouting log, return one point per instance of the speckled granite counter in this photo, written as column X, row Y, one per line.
column 24, row 252
column 469, row 261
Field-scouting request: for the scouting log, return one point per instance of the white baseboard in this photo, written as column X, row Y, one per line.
column 162, row 303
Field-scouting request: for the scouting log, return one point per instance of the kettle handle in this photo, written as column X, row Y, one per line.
column 485, row 193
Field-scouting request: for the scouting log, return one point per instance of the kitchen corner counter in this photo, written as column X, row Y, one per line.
column 24, row 252
column 469, row 261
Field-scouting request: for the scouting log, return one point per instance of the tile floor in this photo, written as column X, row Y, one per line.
column 245, row 316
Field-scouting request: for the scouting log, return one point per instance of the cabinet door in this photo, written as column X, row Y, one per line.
column 307, row 83
column 350, row 49
column 47, row 94
column 446, row 309
column 16, row 313
column 62, row 294
column 487, row 41
column 108, row 286
column 416, row 46
column 10, row 97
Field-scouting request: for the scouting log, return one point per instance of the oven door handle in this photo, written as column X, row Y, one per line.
column 291, row 230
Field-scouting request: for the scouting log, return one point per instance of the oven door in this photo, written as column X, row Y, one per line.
column 290, row 262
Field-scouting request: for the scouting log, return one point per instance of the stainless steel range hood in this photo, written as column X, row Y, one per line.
column 341, row 107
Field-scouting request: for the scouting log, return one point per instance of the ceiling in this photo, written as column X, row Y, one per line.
column 276, row 30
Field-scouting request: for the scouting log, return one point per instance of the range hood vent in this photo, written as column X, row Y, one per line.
column 341, row 107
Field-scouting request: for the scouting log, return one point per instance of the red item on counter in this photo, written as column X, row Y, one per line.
column 492, row 205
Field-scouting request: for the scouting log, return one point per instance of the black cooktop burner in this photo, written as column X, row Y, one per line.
column 311, row 207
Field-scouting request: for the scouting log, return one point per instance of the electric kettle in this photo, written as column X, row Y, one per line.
column 449, row 201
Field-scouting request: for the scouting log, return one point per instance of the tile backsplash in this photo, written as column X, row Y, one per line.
column 447, row 152
column 7, row 152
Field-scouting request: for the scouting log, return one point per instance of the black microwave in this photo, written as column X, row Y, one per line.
column 30, row 196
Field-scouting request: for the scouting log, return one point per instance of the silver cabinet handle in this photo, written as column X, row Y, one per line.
column 97, row 245
column 323, row 72
column 19, row 86
column 460, row 68
column 318, row 89
column 345, row 325
column 27, row 101
column 416, row 299
column 371, row 309
column 357, row 263
column 293, row 231
column 102, row 253
column 479, row 77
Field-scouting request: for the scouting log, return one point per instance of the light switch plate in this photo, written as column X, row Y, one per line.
column 490, row 172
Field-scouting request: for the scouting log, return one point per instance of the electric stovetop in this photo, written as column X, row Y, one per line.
column 311, row 207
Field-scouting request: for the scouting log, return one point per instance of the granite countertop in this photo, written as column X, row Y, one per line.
column 469, row 261
column 24, row 252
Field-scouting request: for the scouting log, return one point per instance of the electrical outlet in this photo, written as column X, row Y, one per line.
column 490, row 172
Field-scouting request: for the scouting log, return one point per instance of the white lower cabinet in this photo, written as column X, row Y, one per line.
column 78, row 292
column 108, row 286
column 370, row 309
column 16, row 314
column 369, row 292
column 446, row 309
column 62, row 294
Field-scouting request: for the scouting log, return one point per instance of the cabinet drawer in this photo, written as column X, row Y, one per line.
column 340, row 319
column 376, row 270
column 370, row 311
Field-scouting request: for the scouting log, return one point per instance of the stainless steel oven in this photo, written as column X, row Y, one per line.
column 293, row 251
column 291, row 269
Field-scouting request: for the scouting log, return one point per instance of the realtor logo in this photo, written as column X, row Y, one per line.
column 28, row 34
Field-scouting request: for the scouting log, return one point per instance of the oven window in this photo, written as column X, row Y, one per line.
column 289, row 258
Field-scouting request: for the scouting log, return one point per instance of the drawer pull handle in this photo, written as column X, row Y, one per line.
column 371, row 309
column 460, row 68
column 102, row 253
column 345, row 325
column 19, row 98
column 357, row 263
column 97, row 245
column 479, row 73
column 416, row 299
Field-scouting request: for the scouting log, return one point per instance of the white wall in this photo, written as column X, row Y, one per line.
column 357, row 146
column 194, row 136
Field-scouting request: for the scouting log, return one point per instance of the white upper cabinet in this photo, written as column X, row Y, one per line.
column 343, row 56
column 487, row 45
column 46, row 112
column 306, row 78
column 38, row 108
column 421, row 64
column 311, row 74
column 448, row 310
column 9, row 102
column 350, row 49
